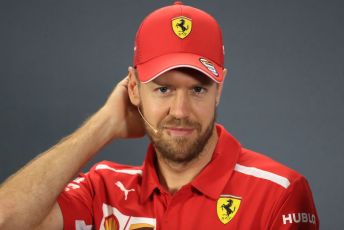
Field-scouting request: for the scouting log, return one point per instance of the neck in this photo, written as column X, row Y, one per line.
column 174, row 175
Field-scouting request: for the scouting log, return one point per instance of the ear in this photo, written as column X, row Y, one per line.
column 133, row 87
column 220, row 86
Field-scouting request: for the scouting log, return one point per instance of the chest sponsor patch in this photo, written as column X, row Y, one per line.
column 227, row 207
column 301, row 217
column 113, row 219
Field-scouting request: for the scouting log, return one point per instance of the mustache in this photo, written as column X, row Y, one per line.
column 183, row 123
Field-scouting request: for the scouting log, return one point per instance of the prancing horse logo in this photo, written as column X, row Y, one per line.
column 181, row 26
column 227, row 206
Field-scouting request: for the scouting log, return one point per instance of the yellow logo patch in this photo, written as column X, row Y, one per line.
column 182, row 26
column 141, row 226
column 111, row 223
column 227, row 206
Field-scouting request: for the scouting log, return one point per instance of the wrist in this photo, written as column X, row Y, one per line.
column 107, row 124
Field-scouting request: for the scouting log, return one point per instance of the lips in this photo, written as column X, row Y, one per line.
column 179, row 131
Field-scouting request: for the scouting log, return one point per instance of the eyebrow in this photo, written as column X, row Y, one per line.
column 198, row 83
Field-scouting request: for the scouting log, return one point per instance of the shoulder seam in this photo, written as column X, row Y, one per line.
column 259, row 173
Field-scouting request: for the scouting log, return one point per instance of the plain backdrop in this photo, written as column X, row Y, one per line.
column 283, row 97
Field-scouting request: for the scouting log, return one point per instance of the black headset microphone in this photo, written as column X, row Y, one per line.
column 149, row 124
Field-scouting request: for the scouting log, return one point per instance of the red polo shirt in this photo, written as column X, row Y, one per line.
column 238, row 189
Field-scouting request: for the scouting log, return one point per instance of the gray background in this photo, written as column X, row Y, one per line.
column 284, row 95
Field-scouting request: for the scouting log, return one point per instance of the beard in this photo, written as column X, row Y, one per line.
column 180, row 149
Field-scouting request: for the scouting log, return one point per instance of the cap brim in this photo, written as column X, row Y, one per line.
column 153, row 68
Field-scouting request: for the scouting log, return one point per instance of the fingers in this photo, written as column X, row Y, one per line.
column 125, row 81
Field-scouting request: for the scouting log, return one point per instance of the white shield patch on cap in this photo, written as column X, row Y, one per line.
column 209, row 65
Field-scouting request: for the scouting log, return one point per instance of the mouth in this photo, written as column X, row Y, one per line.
column 179, row 131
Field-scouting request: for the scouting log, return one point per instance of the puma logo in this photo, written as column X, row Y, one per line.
column 124, row 190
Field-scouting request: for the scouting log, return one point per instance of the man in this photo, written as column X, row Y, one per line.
column 195, row 175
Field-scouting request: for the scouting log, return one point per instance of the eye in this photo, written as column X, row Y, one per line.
column 199, row 90
column 163, row 89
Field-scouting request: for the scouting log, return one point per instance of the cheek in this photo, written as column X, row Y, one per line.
column 154, row 110
column 203, row 112
column 204, row 105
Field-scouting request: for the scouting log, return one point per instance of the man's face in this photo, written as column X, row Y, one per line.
column 181, row 105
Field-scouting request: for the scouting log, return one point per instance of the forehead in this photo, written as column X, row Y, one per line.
column 183, row 74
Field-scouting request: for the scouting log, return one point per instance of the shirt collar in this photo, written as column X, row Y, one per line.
column 214, row 177
column 150, row 180
column 211, row 180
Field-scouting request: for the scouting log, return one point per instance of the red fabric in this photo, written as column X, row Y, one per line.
column 96, row 199
column 158, row 48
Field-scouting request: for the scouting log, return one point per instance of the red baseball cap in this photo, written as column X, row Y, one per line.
column 179, row 36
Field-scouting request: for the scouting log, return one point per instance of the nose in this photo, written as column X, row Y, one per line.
column 180, row 107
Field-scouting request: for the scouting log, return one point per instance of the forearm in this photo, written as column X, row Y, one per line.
column 27, row 196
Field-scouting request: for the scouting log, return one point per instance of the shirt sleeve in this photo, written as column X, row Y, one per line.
column 297, row 209
column 76, row 203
